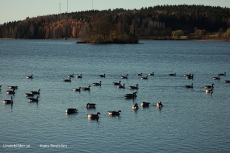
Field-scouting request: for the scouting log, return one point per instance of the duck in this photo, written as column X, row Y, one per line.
column 67, row 80
column 124, row 77
column 226, row 81
column 70, row 76
column 190, row 76
column 117, row 83
column 131, row 96
column 33, row 99
column 144, row 78
column 5, row 102
column 172, row 74
column 189, row 86
column 139, row 74
column 71, row 111
column 10, row 92
column 159, row 104
column 222, row 74
column 135, row 106
column 13, row 87
column 216, row 78
column 101, row 76
column 114, row 113
column 79, row 76
column 208, row 86
column 134, row 87
column 90, row 105
column 35, row 92
column 97, row 84
column 121, row 86
column 93, row 116
column 145, row 104
column 86, row 88
column 77, row 89
column 29, row 94
column 151, row 74
column 29, row 76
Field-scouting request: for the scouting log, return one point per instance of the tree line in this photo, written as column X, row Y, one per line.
column 157, row 22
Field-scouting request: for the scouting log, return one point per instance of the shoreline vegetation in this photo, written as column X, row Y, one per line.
column 120, row 26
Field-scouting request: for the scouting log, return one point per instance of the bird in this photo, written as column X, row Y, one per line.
column 0, row 87
column 13, row 87
column 86, row 88
column 226, row 81
column 29, row 76
column 209, row 91
column 71, row 111
column 101, row 76
column 151, row 74
column 97, row 84
column 222, row 74
column 70, row 76
column 90, row 105
column 93, row 116
column 135, row 106
column 10, row 92
column 67, row 80
column 216, row 78
column 121, row 86
column 79, row 76
column 131, row 96
column 124, row 77
column 139, row 74
column 185, row 75
column 29, row 94
column 144, row 78
column 114, row 113
column 189, row 86
column 208, row 86
column 77, row 89
column 117, row 83
column 172, row 74
column 134, row 87
column 145, row 104
column 190, row 76
column 33, row 99
column 5, row 102
column 35, row 92
column 159, row 104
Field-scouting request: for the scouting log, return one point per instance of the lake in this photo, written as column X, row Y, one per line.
column 190, row 120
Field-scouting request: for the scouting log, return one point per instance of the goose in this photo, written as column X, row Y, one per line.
column 144, row 78
column 13, row 87
column 172, row 74
column 117, row 83
column 5, row 102
column 159, row 104
column 151, row 74
column 90, row 105
column 77, row 89
column 67, row 80
column 10, row 92
column 29, row 76
column 134, row 87
column 124, row 77
column 139, row 74
column 101, row 76
column 185, row 75
column 189, row 86
column 131, row 96
column 114, row 113
column 71, row 111
column 145, row 104
column 216, row 78
column 70, row 76
column 0, row 87
column 209, row 91
column 208, row 86
column 29, row 94
column 226, row 81
column 35, row 92
column 97, row 84
column 86, row 88
column 79, row 76
column 190, row 76
column 121, row 86
column 33, row 99
column 93, row 116
column 222, row 74
column 135, row 106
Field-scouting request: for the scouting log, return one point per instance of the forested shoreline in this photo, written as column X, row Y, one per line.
column 126, row 26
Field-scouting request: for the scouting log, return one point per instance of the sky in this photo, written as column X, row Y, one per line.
column 14, row 10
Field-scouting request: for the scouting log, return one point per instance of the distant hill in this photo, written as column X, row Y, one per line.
column 120, row 25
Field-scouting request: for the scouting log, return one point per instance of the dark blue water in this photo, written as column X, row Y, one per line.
column 190, row 120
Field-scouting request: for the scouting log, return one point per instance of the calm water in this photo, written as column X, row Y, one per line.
column 190, row 121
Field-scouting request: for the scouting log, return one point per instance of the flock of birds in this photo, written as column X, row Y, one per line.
column 30, row 95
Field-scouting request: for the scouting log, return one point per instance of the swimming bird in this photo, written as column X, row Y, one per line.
column 208, row 86
column 114, row 113
column 144, row 78
column 70, row 76
column 79, row 76
column 117, row 83
column 121, row 86
column 29, row 94
column 190, row 76
column 90, row 105
column 216, row 78
column 86, row 88
column 151, row 74
column 226, row 81
column 159, row 104
column 33, row 99
column 139, row 74
column 5, row 102
column 77, row 89
column 10, row 92
column 131, row 96
column 185, row 75
column 222, row 74
column 0, row 87
column 135, row 106
column 124, row 77
column 13, row 87
column 67, row 80
column 145, row 104
column 172, row 74
column 35, row 92
column 189, row 86
column 29, row 76
column 97, row 84
column 71, row 111
column 101, row 76
column 134, row 87
column 93, row 116
column 209, row 90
